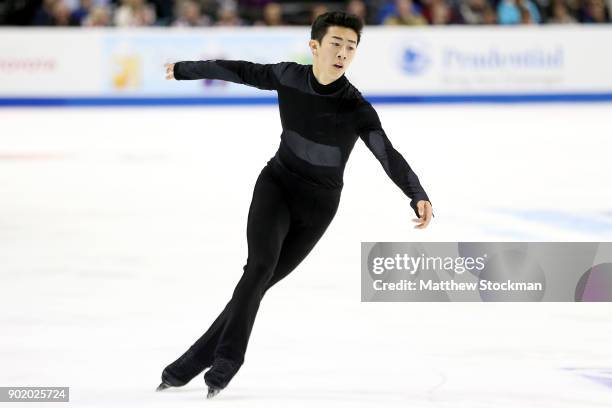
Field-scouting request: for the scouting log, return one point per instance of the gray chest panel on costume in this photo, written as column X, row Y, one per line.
column 314, row 153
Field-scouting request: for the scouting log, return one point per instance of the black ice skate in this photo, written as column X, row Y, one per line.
column 212, row 392
column 169, row 381
column 221, row 373
column 162, row 386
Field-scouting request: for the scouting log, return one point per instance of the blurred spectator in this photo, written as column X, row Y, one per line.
column 517, row 12
column 574, row 7
column 134, row 13
column 476, row 12
column 190, row 15
column 227, row 15
column 44, row 15
column 252, row 10
column 526, row 17
column 272, row 15
column 317, row 10
column 490, row 15
column 209, row 8
column 164, row 11
column 82, row 10
column 560, row 13
column 405, row 14
column 357, row 8
column 54, row 13
column 99, row 16
column 62, row 15
column 439, row 12
column 594, row 11
column 608, row 7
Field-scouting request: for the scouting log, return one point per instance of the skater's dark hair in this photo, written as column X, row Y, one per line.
column 335, row 18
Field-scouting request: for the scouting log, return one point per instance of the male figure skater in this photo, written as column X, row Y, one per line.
column 297, row 193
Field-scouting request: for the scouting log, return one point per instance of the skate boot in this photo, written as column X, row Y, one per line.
column 169, row 381
column 188, row 366
column 221, row 373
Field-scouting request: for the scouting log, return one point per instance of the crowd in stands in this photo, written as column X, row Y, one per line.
column 202, row 13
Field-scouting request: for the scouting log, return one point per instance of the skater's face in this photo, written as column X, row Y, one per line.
column 335, row 52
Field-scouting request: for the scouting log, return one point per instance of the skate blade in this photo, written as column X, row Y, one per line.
column 162, row 387
column 212, row 392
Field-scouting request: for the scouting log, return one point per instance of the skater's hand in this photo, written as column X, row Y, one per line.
column 169, row 71
column 425, row 214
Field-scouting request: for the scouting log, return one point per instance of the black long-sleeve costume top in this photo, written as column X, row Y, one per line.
column 320, row 123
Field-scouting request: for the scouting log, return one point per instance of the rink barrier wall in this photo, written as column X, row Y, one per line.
column 124, row 67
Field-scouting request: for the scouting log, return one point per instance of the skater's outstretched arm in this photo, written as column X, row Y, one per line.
column 371, row 132
column 262, row 76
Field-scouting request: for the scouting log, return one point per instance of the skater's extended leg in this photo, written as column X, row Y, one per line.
column 301, row 238
column 296, row 246
column 268, row 223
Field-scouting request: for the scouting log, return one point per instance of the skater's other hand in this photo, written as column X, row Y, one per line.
column 169, row 71
column 425, row 214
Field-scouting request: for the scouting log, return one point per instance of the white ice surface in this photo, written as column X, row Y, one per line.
column 122, row 235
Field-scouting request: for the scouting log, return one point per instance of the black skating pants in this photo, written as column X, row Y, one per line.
column 287, row 217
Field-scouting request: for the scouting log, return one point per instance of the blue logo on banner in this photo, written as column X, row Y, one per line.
column 415, row 59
